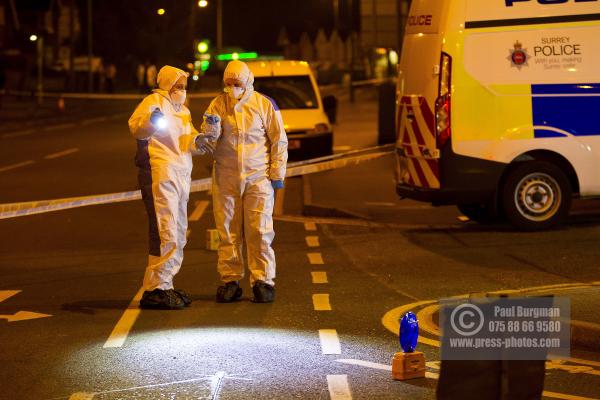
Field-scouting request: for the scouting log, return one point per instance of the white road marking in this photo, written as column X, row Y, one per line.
column 338, row 387
column 315, row 258
column 93, row 120
column 23, row 316
column 20, row 315
column 61, row 126
column 319, row 277
column 368, row 364
column 555, row 395
column 463, row 218
column 312, row 241
column 212, row 378
column 384, row 367
column 379, row 204
column 61, row 153
column 18, row 165
column 321, row 302
column 18, row 133
column 216, row 384
column 584, row 362
column 81, row 396
column 121, row 330
column 7, row 294
column 199, row 210
column 310, row 226
column 359, row 222
column 433, row 375
column 330, row 342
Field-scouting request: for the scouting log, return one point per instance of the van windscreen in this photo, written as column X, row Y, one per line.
column 289, row 92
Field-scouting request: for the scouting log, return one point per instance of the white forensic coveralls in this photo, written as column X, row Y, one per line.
column 164, row 158
column 251, row 151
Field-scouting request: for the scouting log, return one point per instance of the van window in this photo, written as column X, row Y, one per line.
column 288, row 91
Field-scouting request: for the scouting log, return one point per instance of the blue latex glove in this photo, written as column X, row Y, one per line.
column 212, row 119
column 277, row 184
column 156, row 117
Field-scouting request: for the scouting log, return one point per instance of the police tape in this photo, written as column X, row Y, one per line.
column 13, row 210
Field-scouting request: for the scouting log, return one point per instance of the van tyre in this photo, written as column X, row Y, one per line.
column 536, row 195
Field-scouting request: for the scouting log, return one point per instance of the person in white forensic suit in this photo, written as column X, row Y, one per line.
column 166, row 139
column 250, row 153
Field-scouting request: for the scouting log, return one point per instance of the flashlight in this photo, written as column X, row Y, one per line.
column 161, row 123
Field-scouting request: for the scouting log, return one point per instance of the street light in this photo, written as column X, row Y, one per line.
column 39, row 45
column 202, row 3
column 160, row 11
column 203, row 46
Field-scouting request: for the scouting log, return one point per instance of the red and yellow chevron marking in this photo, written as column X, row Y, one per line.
column 416, row 138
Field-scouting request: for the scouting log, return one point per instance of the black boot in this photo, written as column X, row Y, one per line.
column 228, row 293
column 159, row 299
column 183, row 296
column 263, row 292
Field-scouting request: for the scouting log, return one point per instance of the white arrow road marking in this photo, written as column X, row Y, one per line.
column 6, row 294
column 23, row 316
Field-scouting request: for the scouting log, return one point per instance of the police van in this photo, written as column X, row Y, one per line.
column 498, row 107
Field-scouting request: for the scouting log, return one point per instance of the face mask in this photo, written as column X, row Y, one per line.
column 235, row 93
column 178, row 96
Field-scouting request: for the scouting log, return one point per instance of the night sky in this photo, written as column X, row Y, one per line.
column 132, row 30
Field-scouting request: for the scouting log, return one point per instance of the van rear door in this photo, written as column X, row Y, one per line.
column 418, row 89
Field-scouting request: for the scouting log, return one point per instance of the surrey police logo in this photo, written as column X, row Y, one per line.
column 518, row 56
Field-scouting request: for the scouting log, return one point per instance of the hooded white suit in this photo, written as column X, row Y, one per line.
column 251, row 151
column 165, row 165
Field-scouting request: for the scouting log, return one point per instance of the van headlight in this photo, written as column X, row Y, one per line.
column 319, row 128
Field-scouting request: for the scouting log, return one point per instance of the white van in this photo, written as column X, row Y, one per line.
column 498, row 107
column 293, row 87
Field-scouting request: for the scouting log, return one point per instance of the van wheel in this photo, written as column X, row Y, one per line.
column 482, row 213
column 536, row 195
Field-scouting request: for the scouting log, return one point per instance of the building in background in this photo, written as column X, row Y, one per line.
column 364, row 41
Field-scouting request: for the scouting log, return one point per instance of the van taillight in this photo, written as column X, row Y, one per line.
column 442, row 104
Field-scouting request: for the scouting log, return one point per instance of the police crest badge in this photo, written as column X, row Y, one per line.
column 518, row 56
